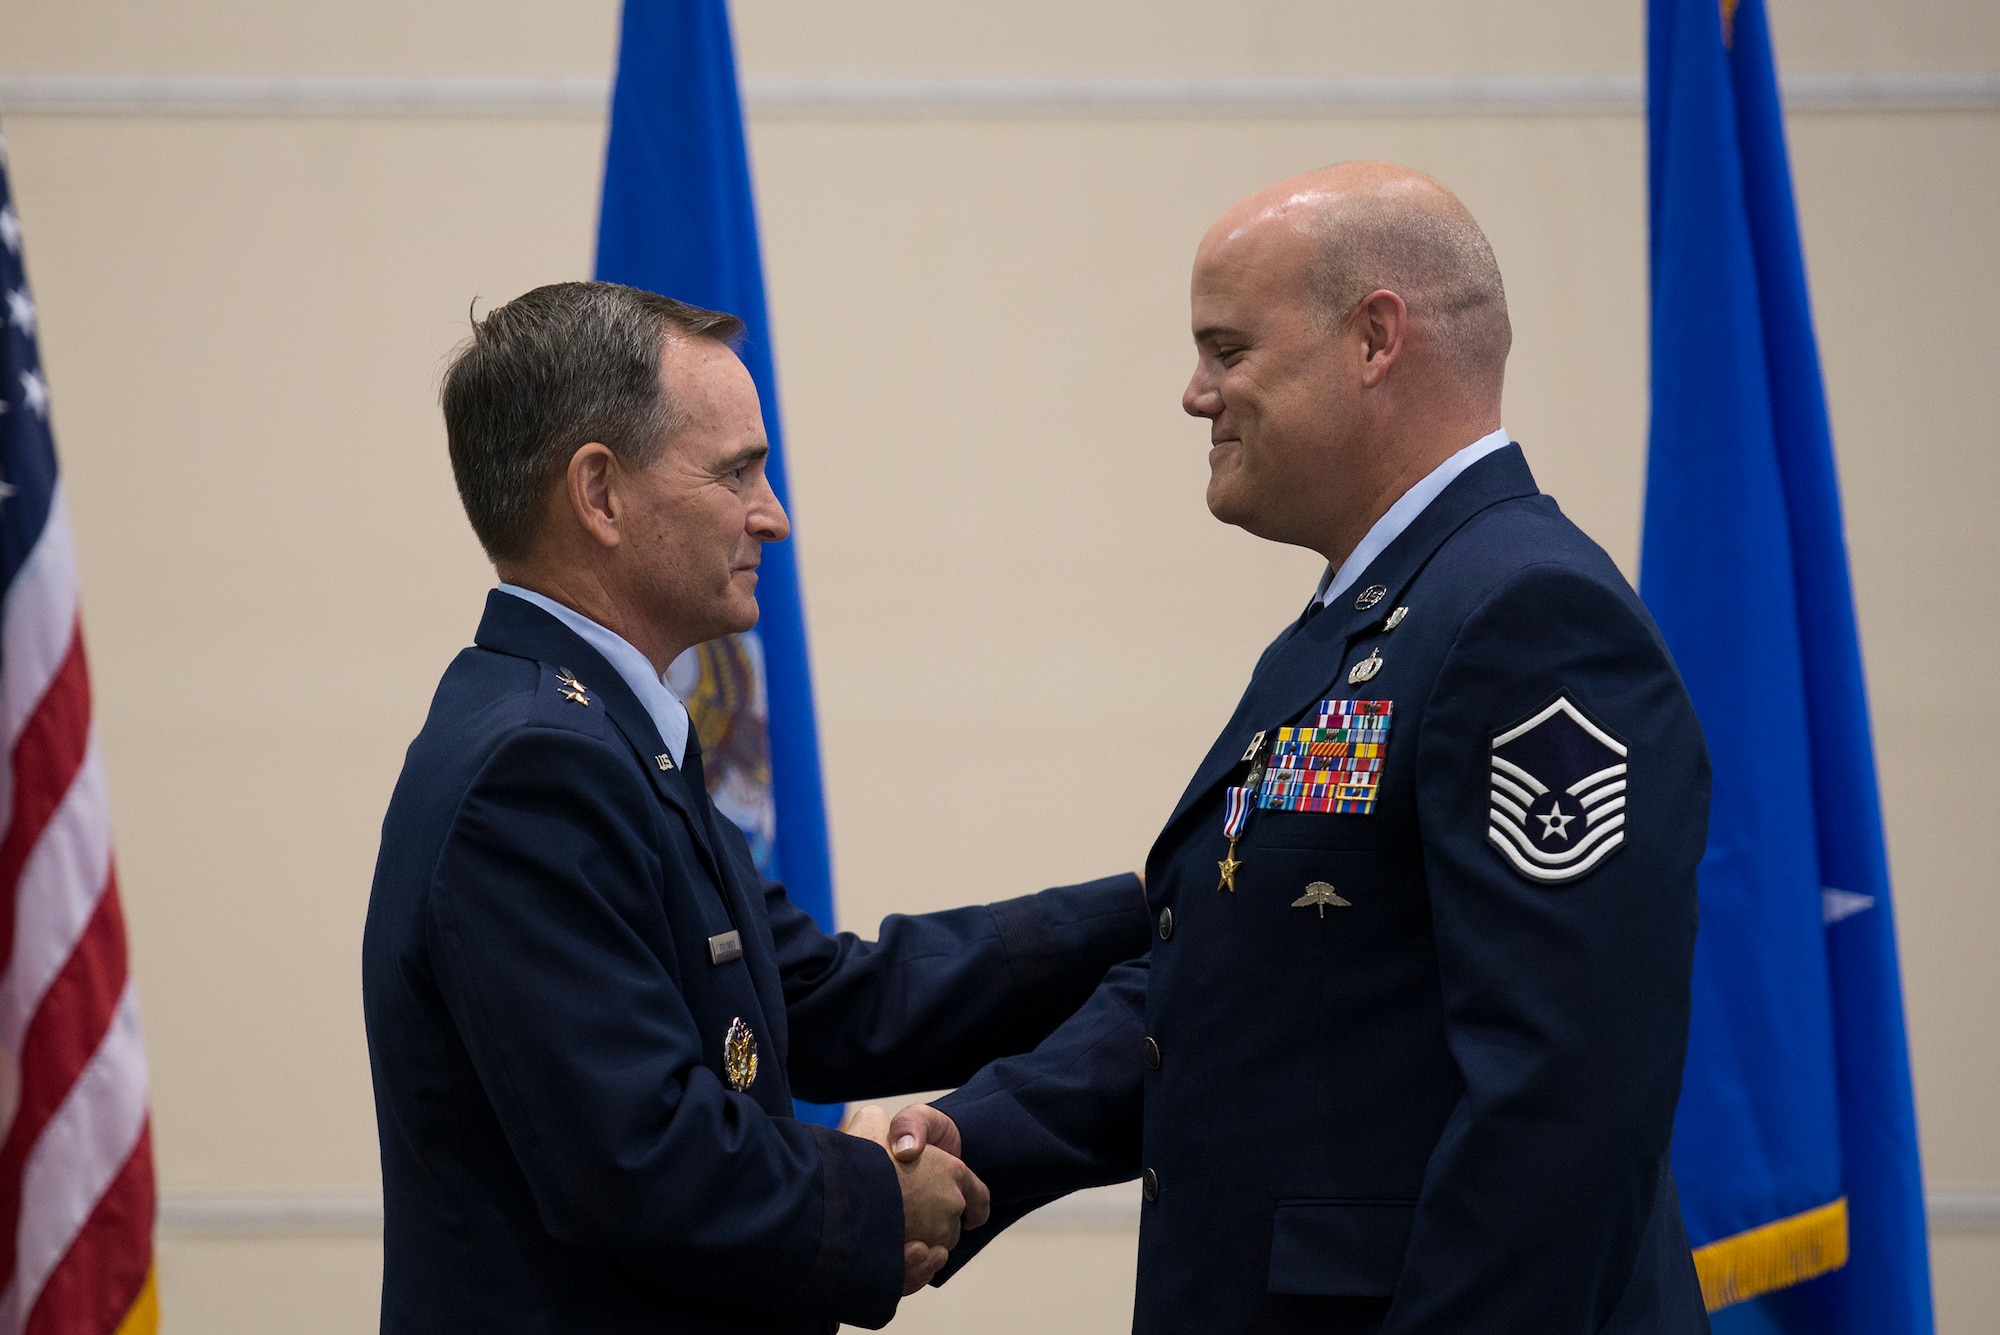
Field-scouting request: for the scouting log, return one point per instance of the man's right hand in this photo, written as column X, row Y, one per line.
column 940, row 1195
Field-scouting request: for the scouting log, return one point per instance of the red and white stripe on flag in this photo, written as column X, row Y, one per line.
column 76, row 1162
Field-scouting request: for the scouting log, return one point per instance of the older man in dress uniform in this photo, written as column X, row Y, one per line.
column 587, row 1013
column 1406, row 1052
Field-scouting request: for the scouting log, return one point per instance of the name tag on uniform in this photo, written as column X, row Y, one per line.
column 722, row 949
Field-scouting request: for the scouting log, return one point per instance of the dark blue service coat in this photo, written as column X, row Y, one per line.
column 561, row 1148
column 1434, row 1094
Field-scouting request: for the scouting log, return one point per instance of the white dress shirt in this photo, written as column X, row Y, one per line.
column 669, row 715
column 1402, row 514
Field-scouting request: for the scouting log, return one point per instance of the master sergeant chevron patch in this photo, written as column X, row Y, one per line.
column 1558, row 806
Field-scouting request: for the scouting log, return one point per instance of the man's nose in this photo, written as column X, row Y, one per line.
column 767, row 520
column 1201, row 398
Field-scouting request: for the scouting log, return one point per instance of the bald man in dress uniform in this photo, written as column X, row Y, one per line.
column 1406, row 1052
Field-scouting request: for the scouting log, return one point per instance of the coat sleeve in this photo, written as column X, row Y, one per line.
column 1061, row 1118
column 938, row 995
column 547, row 924
column 1565, row 1001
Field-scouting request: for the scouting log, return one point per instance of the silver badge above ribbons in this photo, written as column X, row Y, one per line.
column 1558, row 807
column 1370, row 596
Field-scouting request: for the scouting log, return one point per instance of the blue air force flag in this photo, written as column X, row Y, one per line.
column 1795, row 1146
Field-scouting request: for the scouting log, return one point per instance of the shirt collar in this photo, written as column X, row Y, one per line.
column 669, row 715
column 1402, row 514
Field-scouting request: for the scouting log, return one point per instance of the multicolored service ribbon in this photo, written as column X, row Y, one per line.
column 1334, row 767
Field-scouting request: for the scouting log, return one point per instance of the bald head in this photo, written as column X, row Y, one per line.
column 1350, row 334
column 1362, row 227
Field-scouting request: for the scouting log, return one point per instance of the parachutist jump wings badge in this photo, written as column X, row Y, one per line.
column 1558, row 807
column 1320, row 894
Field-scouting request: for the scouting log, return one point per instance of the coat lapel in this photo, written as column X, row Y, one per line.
column 1300, row 668
column 516, row 626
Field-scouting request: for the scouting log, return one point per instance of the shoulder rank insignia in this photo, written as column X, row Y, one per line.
column 739, row 1056
column 570, row 688
column 1321, row 894
column 1558, row 806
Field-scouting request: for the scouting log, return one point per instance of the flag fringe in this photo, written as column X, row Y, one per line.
column 144, row 1318
column 1773, row 1256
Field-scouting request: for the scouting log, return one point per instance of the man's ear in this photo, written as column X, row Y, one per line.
column 592, row 487
column 1381, row 320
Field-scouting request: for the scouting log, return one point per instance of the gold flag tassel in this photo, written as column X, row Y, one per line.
column 1772, row 1256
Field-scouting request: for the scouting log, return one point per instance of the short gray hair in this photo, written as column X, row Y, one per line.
column 548, row 372
column 1436, row 259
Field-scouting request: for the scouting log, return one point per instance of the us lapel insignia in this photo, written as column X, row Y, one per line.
column 1321, row 894
column 1366, row 669
column 569, row 688
column 1370, row 596
column 739, row 1056
column 1395, row 618
column 664, row 760
column 1558, row 807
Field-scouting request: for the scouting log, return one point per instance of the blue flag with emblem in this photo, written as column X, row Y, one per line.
column 678, row 218
column 1795, row 1146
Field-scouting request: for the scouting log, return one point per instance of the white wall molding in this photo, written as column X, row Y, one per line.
column 842, row 96
column 1964, row 1210
column 1108, row 1209
column 273, row 1215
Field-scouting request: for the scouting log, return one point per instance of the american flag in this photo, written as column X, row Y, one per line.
column 76, row 1162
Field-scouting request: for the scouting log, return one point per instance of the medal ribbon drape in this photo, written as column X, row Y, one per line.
column 1795, row 1146
column 678, row 218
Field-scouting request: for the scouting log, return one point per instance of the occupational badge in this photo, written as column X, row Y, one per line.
column 1320, row 894
column 1335, row 765
column 739, row 1056
column 1366, row 669
column 569, row 688
column 1558, row 806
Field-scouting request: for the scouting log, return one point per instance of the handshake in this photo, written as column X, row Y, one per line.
column 939, row 1192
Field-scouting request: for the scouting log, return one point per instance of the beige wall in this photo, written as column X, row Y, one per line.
column 981, row 334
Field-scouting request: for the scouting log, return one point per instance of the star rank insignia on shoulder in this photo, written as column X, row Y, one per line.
column 570, row 688
column 1558, row 802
